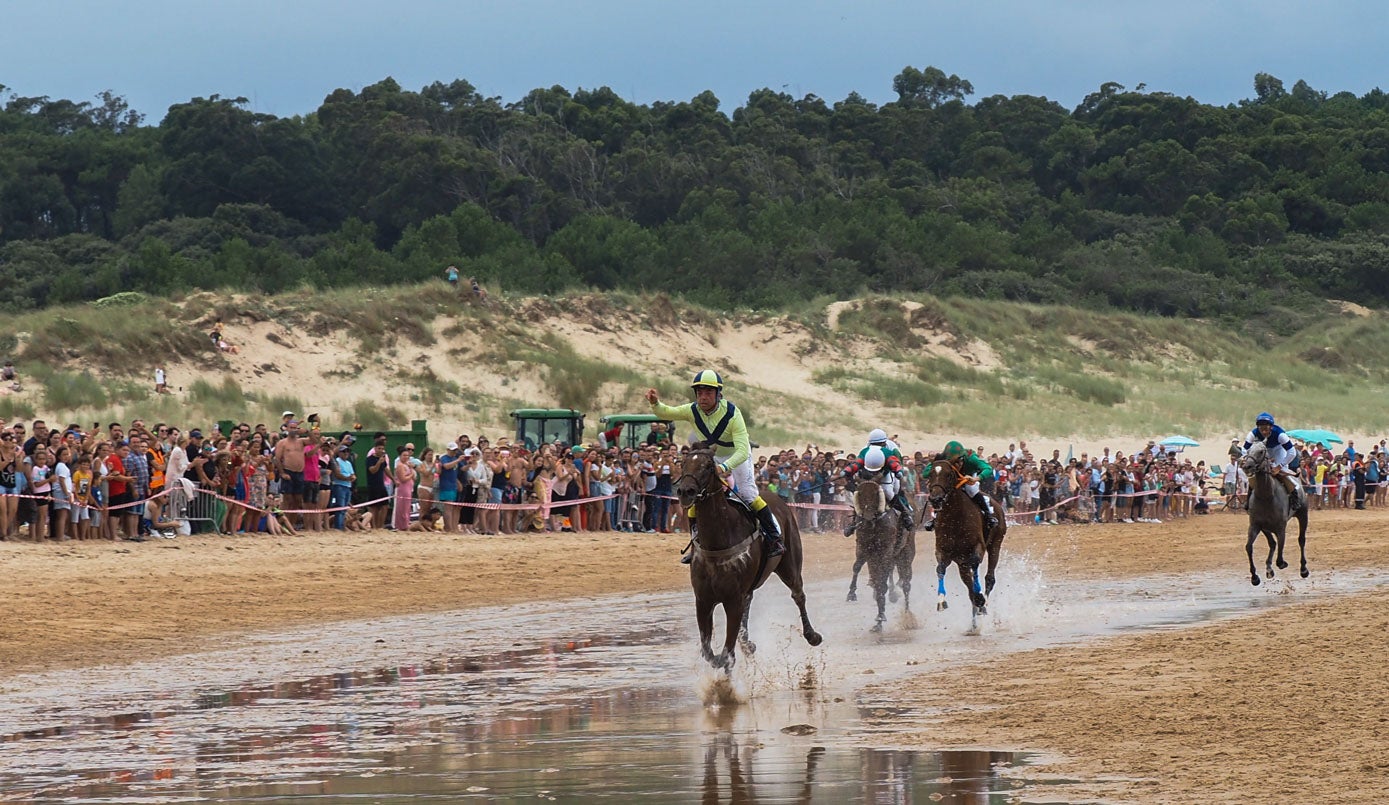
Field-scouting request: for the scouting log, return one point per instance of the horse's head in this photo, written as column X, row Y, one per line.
column 1256, row 460
column 868, row 499
column 942, row 478
column 699, row 476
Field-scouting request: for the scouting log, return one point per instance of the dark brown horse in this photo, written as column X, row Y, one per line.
column 1269, row 511
column 883, row 545
column 960, row 537
column 729, row 557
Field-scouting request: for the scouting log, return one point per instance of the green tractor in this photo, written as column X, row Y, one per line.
column 637, row 429
column 537, row 426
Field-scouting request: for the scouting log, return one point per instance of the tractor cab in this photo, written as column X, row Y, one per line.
column 638, row 430
column 537, row 426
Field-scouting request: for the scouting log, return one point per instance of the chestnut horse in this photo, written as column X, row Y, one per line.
column 883, row 545
column 729, row 561
column 1269, row 512
column 960, row 537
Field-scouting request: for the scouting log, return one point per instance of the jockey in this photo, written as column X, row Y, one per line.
column 891, row 467
column 974, row 468
column 1281, row 452
column 721, row 425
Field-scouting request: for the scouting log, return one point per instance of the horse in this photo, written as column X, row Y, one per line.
column 960, row 537
column 882, row 545
column 1269, row 511
column 730, row 561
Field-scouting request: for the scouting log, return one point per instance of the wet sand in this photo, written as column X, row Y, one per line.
column 1286, row 704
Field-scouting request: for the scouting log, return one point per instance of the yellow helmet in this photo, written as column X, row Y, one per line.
column 707, row 378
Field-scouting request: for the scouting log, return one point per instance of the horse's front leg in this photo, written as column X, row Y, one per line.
column 941, row 566
column 704, row 617
column 880, row 598
column 904, row 577
column 733, row 613
column 1249, row 550
column 1272, row 547
column 749, row 647
column 853, row 581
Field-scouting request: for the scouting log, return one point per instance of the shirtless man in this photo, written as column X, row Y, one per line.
column 289, row 464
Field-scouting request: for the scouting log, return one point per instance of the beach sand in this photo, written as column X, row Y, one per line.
column 1287, row 704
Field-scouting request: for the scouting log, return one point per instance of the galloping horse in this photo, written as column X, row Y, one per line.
column 960, row 536
column 729, row 557
column 1269, row 511
column 882, row 545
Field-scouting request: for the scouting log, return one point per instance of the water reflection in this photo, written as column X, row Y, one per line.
column 389, row 736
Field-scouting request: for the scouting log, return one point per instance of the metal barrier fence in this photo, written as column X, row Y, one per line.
column 197, row 508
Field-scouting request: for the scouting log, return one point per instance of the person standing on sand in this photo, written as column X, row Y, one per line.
column 289, row 467
column 404, row 477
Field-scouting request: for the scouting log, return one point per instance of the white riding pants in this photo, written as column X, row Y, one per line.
column 744, row 485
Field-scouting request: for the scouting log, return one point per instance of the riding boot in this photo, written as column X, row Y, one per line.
column 853, row 523
column 1295, row 502
column 904, row 509
column 688, row 554
column 771, row 532
column 990, row 522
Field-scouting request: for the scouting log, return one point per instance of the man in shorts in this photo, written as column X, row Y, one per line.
column 289, row 466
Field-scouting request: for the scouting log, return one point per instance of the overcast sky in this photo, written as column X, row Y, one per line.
column 285, row 56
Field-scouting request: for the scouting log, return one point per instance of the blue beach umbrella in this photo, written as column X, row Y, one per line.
column 1179, row 441
column 1325, row 438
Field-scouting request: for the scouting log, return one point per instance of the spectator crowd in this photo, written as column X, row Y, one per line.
column 140, row 481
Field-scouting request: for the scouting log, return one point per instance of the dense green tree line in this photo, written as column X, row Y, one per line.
column 1134, row 199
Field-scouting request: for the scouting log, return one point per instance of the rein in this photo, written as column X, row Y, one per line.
column 704, row 481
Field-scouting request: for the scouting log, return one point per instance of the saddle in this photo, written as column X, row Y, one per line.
column 737, row 503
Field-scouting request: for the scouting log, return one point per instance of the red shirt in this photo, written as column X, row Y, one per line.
column 115, row 467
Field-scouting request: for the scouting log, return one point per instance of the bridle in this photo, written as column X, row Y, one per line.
column 705, row 477
column 939, row 487
column 1257, row 464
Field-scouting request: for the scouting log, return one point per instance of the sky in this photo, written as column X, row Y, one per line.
column 286, row 56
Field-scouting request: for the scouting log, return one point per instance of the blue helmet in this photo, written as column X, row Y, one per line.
column 1264, row 417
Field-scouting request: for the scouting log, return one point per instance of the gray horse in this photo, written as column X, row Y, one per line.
column 1269, row 512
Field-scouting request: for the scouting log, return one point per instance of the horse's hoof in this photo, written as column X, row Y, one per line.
column 892, row 596
column 749, row 647
column 941, row 606
column 851, row 597
column 1305, row 573
column 1268, row 574
column 1254, row 579
column 1282, row 565
column 813, row 638
column 877, row 627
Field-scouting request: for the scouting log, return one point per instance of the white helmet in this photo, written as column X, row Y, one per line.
column 874, row 459
column 877, row 436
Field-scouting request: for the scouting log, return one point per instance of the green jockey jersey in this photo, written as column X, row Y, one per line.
column 723, row 428
column 889, row 453
column 976, row 466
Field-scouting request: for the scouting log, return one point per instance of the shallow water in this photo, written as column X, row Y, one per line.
column 570, row 700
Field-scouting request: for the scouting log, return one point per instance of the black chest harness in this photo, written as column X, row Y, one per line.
column 713, row 436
